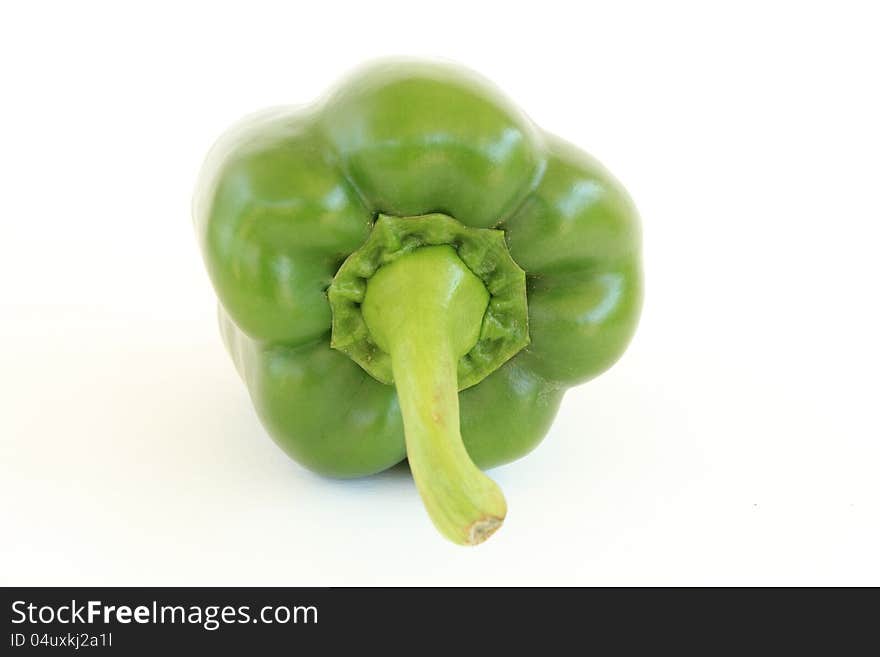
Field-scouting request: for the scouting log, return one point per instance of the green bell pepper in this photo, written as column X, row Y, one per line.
column 411, row 269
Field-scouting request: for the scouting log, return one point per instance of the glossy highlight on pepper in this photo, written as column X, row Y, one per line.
column 412, row 268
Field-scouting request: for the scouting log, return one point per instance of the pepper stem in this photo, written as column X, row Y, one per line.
column 426, row 309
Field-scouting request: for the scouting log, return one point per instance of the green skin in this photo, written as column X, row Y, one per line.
column 441, row 341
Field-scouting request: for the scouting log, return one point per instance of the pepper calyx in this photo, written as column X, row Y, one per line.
column 504, row 328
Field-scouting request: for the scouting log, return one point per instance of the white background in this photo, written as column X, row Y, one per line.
column 735, row 443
